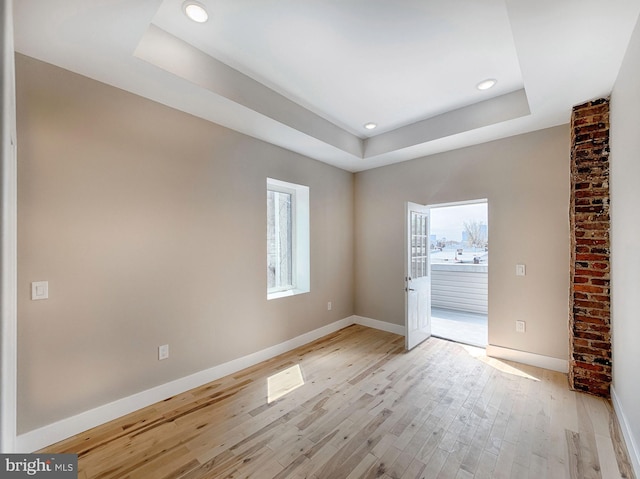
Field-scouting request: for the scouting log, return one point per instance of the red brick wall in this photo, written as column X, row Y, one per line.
column 589, row 323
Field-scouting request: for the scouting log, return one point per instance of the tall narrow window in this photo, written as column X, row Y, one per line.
column 279, row 240
column 287, row 239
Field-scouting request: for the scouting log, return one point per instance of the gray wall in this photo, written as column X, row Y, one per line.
column 149, row 225
column 625, row 234
column 526, row 181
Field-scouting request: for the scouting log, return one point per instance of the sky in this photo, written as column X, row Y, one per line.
column 448, row 221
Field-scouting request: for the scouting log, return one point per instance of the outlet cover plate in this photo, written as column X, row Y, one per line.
column 163, row 352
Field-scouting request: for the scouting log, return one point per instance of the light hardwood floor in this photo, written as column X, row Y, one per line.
column 367, row 409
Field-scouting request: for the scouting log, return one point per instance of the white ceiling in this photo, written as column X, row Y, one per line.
column 307, row 75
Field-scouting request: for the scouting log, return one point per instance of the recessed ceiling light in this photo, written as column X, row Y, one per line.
column 486, row 84
column 195, row 11
column 370, row 126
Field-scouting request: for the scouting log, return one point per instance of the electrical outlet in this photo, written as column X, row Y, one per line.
column 521, row 270
column 520, row 326
column 163, row 352
column 329, row 306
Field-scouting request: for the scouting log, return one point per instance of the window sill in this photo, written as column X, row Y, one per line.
column 284, row 294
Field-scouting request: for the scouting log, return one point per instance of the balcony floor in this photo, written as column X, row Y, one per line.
column 460, row 326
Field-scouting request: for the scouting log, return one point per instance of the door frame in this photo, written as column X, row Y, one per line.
column 464, row 203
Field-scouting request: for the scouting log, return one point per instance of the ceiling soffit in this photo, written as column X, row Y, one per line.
column 306, row 76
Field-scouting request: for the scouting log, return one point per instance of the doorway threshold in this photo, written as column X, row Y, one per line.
column 460, row 326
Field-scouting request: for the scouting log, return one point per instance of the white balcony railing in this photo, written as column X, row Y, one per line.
column 461, row 287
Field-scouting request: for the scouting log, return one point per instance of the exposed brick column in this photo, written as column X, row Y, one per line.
column 589, row 323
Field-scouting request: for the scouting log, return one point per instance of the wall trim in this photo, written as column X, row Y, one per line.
column 65, row 428
column 52, row 433
column 381, row 325
column 8, row 237
column 632, row 445
column 532, row 359
column 60, row 430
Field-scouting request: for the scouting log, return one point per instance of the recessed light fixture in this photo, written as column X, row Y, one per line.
column 195, row 11
column 486, row 84
column 370, row 126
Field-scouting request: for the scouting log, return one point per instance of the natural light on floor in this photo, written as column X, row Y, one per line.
column 284, row 382
column 481, row 355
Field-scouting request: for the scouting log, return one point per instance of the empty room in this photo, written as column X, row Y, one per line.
column 217, row 238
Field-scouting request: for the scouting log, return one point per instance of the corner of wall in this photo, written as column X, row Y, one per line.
column 633, row 448
column 8, row 244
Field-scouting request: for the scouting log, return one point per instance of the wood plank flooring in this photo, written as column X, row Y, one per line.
column 367, row 409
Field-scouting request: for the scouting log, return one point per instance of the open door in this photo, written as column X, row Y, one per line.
column 417, row 276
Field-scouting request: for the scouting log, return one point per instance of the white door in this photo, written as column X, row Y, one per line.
column 417, row 276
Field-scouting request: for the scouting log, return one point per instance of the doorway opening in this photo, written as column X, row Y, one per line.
column 459, row 242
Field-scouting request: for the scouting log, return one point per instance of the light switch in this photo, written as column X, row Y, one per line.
column 40, row 290
column 520, row 270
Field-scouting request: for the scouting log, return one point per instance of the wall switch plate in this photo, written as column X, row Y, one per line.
column 329, row 306
column 520, row 326
column 39, row 290
column 163, row 352
column 520, row 270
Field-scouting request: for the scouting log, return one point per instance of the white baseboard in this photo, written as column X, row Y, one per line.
column 381, row 325
column 632, row 445
column 52, row 433
column 546, row 362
